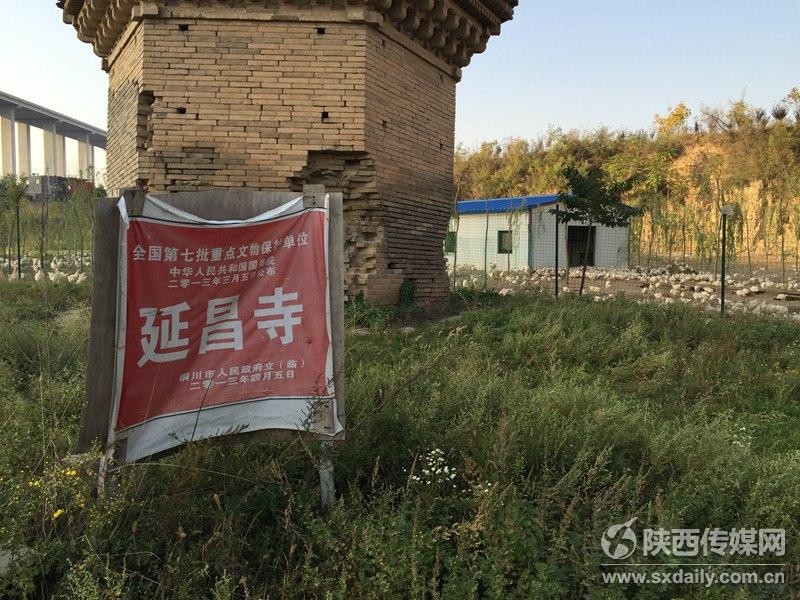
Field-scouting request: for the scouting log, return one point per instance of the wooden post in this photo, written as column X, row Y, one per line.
column 336, row 275
column 314, row 195
column 102, row 335
column 327, row 488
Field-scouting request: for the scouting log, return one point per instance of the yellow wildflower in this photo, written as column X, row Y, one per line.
column 58, row 513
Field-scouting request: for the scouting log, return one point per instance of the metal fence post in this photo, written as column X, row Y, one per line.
column 727, row 211
column 530, row 240
column 455, row 252
column 486, row 250
column 722, row 282
column 556, row 265
column 19, row 242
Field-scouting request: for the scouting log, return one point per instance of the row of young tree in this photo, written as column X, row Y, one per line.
column 48, row 225
column 679, row 175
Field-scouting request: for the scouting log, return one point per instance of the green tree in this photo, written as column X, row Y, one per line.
column 593, row 198
column 12, row 192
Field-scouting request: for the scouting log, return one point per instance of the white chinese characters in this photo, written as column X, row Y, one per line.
column 187, row 255
column 281, row 316
column 223, row 330
column 164, row 337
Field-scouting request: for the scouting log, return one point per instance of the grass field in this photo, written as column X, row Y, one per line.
column 554, row 420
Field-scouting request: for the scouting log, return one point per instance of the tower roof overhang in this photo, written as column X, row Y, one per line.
column 452, row 30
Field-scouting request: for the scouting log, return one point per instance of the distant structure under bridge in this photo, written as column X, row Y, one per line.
column 42, row 155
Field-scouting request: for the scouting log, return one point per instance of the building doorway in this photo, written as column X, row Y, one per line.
column 576, row 244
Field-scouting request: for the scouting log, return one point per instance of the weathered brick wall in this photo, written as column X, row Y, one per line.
column 356, row 94
column 410, row 116
column 200, row 103
column 240, row 103
column 123, row 113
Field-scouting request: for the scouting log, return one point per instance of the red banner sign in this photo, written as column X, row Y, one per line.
column 226, row 327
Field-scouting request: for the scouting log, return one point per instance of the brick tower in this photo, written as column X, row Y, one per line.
column 272, row 94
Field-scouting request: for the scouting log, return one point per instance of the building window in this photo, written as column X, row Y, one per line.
column 450, row 242
column 504, row 242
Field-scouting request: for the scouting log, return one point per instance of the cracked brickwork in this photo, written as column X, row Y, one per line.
column 270, row 95
column 353, row 174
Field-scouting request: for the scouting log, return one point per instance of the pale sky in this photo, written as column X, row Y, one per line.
column 585, row 63
column 565, row 63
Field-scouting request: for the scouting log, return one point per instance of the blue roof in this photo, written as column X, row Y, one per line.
column 501, row 205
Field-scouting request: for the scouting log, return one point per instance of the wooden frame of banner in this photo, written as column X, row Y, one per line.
column 216, row 205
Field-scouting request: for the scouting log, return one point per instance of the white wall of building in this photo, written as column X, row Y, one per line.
column 611, row 244
column 611, row 249
column 543, row 232
column 472, row 233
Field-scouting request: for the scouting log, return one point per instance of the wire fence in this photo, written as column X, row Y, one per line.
column 520, row 251
column 53, row 229
column 47, row 234
column 530, row 240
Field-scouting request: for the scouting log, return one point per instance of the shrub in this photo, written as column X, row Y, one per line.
column 553, row 419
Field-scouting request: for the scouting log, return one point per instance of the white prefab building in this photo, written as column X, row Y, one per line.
column 518, row 233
